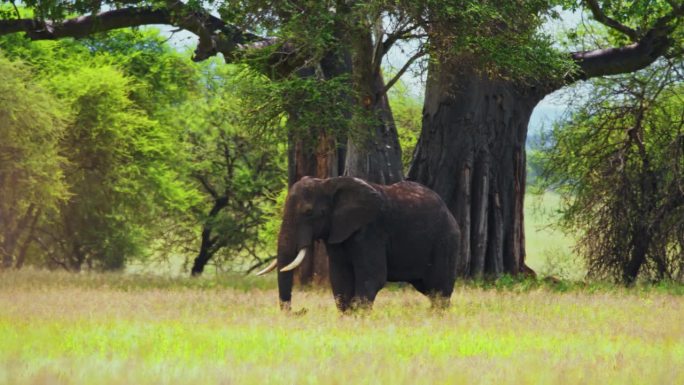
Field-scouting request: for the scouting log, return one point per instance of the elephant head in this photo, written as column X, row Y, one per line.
column 328, row 209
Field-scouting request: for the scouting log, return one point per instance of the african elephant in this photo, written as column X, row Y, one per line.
column 373, row 234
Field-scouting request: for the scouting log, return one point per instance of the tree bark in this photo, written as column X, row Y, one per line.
column 21, row 256
column 12, row 236
column 321, row 162
column 214, row 34
column 373, row 150
column 637, row 256
column 325, row 159
column 207, row 245
column 472, row 153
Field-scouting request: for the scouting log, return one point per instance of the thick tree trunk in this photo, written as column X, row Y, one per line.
column 374, row 153
column 637, row 258
column 323, row 160
column 373, row 150
column 472, row 153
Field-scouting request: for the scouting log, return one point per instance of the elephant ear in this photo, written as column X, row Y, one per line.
column 355, row 204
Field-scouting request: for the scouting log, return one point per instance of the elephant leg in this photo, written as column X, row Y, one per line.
column 419, row 285
column 341, row 277
column 438, row 299
column 438, row 285
column 369, row 257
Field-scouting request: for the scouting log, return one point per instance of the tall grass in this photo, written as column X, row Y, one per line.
column 123, row 329
column 549, row 250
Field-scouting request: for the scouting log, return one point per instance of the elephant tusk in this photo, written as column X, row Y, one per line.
column 269, row 268
column 296, row 262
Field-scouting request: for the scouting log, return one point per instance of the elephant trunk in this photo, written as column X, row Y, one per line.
column 292, row 241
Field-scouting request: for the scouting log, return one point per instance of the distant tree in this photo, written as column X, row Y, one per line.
column 120, row 173
column 31, row 179
column 619, row 162
column 407, row 111
column 164, row 77
column 238, row 169
column 168, row 141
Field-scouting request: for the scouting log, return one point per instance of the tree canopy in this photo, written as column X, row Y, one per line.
column 618, row 162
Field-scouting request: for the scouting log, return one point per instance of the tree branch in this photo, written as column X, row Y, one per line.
column 16, row 10
column 602, row 18
column 260, row 263
column 214, row 34
column 403, row 69
column 85, row 25
column 633, row 57
column 206, row 185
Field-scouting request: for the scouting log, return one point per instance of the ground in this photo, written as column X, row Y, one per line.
column 57, row 328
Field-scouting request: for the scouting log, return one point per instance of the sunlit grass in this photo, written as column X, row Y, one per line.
column 123, row 329
column 549, row 251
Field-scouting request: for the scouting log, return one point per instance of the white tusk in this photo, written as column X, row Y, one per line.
column 269, row 268
column 296, row 262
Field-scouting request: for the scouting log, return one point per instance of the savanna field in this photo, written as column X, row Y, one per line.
column 58, row 328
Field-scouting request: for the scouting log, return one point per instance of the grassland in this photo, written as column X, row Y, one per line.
column 549, row 251
column 57, row 328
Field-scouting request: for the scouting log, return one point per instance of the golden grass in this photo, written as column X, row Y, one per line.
column 114, row 329
column 549, row 250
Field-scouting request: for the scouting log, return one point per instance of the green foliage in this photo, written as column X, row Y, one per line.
column 501, row 39
column 165, row 78
column 302, row 107
column 118, row 171
column 123, row 161
column 147, row 133
column 618, row 162
column 32, row 125
column 274, row 215
column 640, row 16
column 407, row 112
column 314, row 27
column 31, row 175
column 232, row 164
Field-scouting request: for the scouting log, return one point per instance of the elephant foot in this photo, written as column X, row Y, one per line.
column 361, row 306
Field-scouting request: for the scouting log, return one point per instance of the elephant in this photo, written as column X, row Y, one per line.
column 373, row 234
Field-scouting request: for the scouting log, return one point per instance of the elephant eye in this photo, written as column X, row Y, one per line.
column 308, row 212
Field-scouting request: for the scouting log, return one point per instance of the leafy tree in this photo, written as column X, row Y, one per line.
column 619, row 162
column 406, row 109
column 165, row 79
column 487, row 80
column 31, row 178
column 118, row 172
column 238, row 169
column 154, row 91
